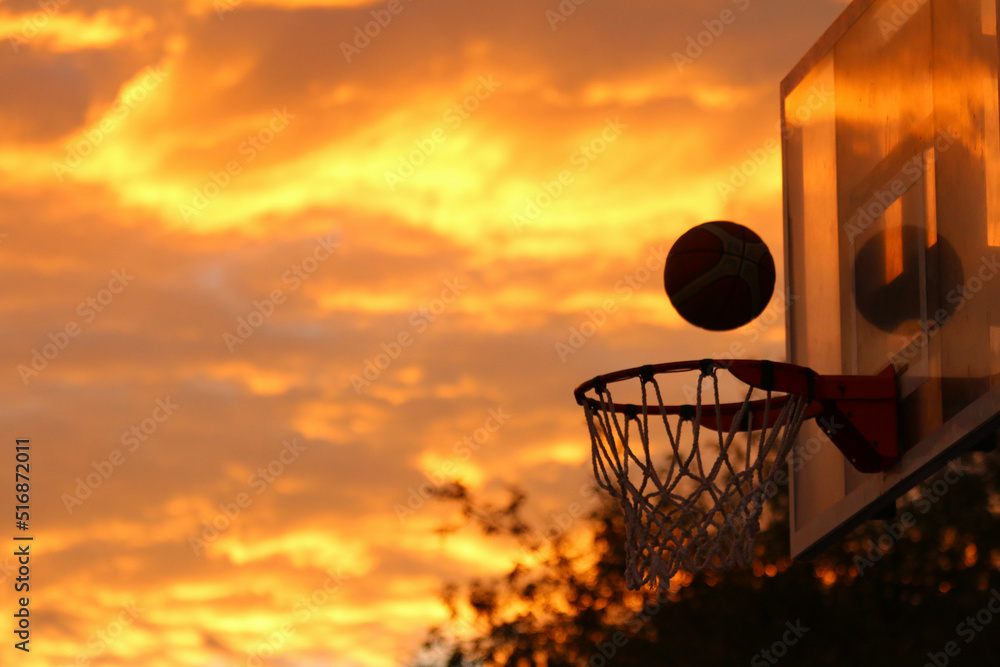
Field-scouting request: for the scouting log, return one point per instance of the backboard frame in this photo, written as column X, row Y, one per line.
column 977, row 422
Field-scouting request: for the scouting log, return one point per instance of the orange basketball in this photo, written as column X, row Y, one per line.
column 719, row 275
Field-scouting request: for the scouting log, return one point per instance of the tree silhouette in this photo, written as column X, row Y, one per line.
column 913, row 590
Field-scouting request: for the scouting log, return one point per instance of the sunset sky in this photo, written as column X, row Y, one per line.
column 269, row 272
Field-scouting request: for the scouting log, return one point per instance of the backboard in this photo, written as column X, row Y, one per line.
column 891, row 146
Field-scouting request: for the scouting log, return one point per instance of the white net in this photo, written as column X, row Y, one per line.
column 695, row 502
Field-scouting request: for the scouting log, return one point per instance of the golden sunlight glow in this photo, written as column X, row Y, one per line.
column 722, row 97
column 469, row 186
column 464, row 549
column 260, row 381
column 222, row 8
column 568, row 452
column 451, row 468
column 306, row 548
column 336, row 421
column 64, row 31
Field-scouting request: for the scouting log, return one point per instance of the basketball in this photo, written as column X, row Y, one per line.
column 719, row 275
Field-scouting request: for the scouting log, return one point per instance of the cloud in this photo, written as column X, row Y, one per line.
column 593, row 138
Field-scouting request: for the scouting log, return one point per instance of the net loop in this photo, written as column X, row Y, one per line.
column 692, row 496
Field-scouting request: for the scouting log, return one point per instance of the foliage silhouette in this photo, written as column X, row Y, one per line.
column 887, row 594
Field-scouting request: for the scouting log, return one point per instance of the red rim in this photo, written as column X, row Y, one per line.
column 768, row 375
column 860, row 410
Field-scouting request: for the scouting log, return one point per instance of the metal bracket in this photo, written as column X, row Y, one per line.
column 863, row 424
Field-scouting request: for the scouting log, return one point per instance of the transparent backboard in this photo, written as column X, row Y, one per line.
column 891, row 145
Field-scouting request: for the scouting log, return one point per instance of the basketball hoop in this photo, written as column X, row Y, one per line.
column 694, row 504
